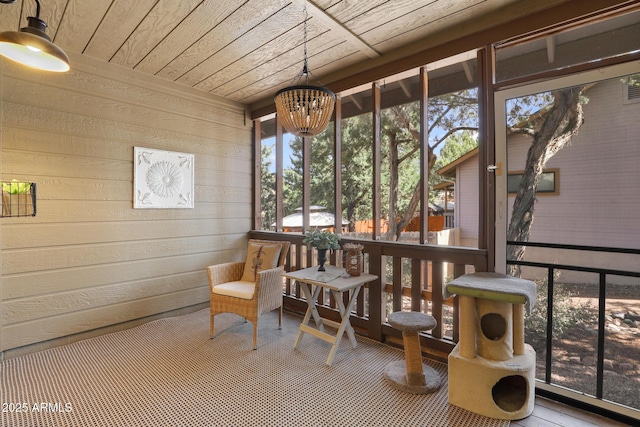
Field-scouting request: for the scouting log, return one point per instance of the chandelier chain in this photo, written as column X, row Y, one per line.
column 306, row 66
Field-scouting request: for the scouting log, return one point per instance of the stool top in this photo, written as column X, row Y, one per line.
column 494, row 286
column 412, row 321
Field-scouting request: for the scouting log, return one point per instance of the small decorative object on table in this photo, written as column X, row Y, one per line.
column 354, row 259
column 322, row 241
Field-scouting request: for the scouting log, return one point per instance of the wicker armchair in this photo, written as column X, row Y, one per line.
column 232, row 293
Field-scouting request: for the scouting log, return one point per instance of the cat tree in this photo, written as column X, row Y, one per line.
column 491, row 370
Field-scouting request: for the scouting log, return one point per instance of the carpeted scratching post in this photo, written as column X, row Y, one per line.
column 411, row 375
column 491, row 369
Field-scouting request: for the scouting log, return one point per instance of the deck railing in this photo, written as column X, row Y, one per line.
column 606, row 278
column 449, row 220
column 411, row 277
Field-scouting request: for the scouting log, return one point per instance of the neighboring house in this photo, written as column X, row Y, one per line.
column 584, row 208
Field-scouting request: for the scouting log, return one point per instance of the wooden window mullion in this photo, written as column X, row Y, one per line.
column 279, row 175
column 424, row 155
column 257, row 175
column 377, row 180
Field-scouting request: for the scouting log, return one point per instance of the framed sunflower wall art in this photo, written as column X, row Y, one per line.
column 162, row 179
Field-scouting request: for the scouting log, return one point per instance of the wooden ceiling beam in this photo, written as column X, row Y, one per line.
column 551, row 48
column 315, row 12
column 357, row 101
column 404, row 88
column 416, row 54
column 467, row 71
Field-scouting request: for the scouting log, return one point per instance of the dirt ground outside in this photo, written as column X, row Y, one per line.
column 574, row 354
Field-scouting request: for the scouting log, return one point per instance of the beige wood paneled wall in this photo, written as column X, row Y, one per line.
column 88, row 259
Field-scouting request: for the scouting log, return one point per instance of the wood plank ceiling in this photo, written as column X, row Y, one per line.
column 246, row 50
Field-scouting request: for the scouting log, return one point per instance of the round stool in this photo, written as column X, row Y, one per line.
column 411, row 375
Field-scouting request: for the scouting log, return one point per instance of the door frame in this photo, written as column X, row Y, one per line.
column 500, row 98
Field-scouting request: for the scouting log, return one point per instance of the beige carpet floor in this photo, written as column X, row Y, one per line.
column 169, row 373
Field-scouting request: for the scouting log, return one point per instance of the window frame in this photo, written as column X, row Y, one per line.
column 556, row 182
column 626, row 92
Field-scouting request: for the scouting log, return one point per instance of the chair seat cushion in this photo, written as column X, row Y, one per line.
column 260, row 256
column 238, row 289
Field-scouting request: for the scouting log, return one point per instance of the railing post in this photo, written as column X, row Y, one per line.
column 397, row 284
column 376, row 293
column 416, row 285
column 549, row 343
column 436, row 297
column 458, row 270
column 602, row 306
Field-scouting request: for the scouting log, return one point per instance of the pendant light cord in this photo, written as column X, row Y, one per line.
column 305, row 69
column 37, row 9
column 13, row 1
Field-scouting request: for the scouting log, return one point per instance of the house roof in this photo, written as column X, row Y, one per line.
column 245, row 50
column 316, row 219
column 450, row 169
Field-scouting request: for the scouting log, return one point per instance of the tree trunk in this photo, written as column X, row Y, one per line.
column 394, row 231
column 415, row 200
column 560, row 124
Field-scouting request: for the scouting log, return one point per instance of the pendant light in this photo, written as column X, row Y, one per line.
column 304, row 109
column 32, row 47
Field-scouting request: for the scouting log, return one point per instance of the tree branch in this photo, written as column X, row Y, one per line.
column 523, row 131
column 449, row 133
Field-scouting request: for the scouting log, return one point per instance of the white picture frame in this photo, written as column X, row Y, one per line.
column 162, row 179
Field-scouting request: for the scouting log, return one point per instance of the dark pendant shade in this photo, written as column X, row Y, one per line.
column 32, row 47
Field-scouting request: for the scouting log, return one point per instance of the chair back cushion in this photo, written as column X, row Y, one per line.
column 260, row 256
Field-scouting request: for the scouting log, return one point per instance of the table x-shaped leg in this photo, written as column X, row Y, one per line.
column 312, row 310
column 344, row 325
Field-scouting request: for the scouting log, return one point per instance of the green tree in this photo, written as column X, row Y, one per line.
column 267, row 188
column 633, row 80
column 322, row 169
column 456, row 146
column 357, row 171
column 321, row 172
column 292, row 177
column 400, row 132
column 448, row 115
column 452, row 123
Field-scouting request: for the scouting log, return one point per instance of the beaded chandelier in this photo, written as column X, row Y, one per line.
column 304, row 109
